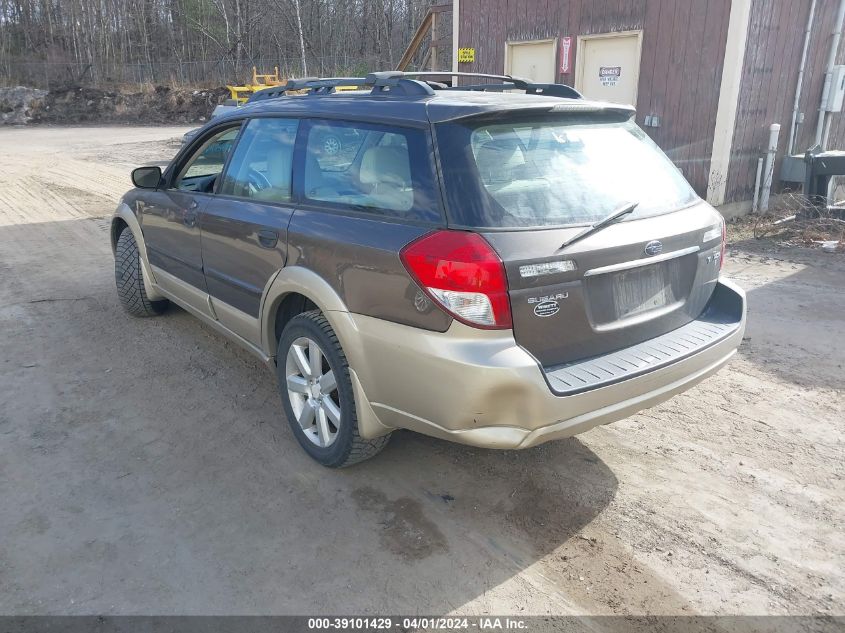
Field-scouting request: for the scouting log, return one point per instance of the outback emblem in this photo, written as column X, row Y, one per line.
column 654, row 247
column 546, row 308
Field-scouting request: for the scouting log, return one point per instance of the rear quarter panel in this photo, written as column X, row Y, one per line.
column 359, row 257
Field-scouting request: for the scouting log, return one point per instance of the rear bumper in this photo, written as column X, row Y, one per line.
column 479, row 387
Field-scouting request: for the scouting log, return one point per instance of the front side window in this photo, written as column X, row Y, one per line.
column 262, row 163
column 554, row 171
column 371, row 168
column 202, row 169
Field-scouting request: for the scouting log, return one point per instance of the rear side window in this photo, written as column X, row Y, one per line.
column 262, row 163
column 554, row 172
column 371, row 168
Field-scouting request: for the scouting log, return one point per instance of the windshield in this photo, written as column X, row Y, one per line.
column 554, row 172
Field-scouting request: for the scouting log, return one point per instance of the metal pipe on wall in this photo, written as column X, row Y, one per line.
column 826, row 133
column 755, row 203
column 774, row 132
column 790, row 147
column 828, row 75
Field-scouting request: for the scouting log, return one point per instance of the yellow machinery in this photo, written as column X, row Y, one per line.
column 259, row 82
column 242, row 93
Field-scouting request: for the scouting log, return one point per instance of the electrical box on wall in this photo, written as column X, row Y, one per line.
column 836, row 96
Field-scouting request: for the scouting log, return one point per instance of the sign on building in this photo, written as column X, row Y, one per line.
column 466, row 55
column 609, row 75
column 565, row 54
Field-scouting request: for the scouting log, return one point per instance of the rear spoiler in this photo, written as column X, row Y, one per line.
column 614, row 110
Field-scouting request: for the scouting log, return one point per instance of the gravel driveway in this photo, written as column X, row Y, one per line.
column 145, row 466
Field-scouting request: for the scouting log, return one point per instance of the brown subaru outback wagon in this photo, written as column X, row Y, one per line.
column 499, row 264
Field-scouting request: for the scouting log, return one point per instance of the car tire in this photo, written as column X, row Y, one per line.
column 331, row 145
column 129, row 280
column 317, row 393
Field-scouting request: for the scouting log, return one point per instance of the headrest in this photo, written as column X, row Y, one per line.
column 382, row 165
column 279, row 161
column 497, row 159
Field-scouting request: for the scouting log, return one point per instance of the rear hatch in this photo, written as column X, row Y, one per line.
column 617, row 294
column 530, row 183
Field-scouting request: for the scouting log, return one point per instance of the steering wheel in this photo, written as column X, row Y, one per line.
column 256, row 181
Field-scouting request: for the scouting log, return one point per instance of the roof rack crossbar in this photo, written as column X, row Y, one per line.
column 406, row 84
column 509, row 83
column 553, row 90
column 485, row 87
column 378, row 83
column 325, row 82
column 448, row 73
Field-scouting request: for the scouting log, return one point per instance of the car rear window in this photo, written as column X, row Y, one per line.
column 548, row 172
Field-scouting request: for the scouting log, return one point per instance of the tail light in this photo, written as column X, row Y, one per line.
column 709, row 236
column 462, row 273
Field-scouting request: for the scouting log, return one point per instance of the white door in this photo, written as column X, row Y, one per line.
column 531, row 60
column 609, row 67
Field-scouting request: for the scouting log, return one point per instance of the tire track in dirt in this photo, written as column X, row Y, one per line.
column 46, row 180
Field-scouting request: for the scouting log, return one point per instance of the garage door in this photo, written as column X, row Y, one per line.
column 609, row 67
column 531, row 60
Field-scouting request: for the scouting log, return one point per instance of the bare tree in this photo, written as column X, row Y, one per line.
column 199, row 41
column 298, row 10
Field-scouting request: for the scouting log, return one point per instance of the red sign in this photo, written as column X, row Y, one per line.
column 565, row 54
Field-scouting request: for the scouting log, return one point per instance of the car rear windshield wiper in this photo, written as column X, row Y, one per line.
column 598, row 226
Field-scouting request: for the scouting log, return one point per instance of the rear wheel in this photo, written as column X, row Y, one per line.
column 317, row 393
column 128, row 277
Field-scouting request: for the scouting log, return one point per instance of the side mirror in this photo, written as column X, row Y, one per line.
column 146, row 177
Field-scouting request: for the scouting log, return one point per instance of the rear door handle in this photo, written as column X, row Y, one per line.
column 268, row 239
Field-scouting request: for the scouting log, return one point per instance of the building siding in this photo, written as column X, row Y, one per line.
column 769, row 80
column 681, row 68
column 814, row 79
column 681, row 64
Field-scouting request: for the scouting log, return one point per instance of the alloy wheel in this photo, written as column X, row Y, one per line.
column 312, row 391
column 331, row 145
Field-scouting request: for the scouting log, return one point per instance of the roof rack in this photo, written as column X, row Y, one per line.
column 399, row 83
column 508, row 83
column 391, row 81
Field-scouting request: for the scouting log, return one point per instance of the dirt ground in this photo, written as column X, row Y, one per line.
column 125, row 104
column 146, row 468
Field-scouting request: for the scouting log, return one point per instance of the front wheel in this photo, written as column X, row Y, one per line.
column 129, row 279
column 317, row 393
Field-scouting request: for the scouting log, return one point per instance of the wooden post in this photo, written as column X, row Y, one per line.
column 726, row 113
